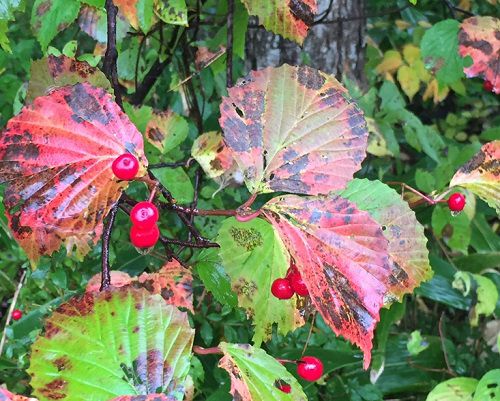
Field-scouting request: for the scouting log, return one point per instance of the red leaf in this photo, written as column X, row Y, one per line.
column 56, row 157
column 341, row 253
column 479, row 38
column 293, row 129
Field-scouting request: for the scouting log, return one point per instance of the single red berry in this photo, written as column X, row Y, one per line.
column 144, row 238
column 310, row 368
column 488, row 86
column 125, row 167
column 298, row 284
column 144, row 215
column 285, row 387
column 282, row 289
column 456, row 202
column 17, row 314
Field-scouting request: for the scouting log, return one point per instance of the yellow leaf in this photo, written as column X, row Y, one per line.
column 408, row 79
column 411, row 53
column 390, row 63
column 433, row 91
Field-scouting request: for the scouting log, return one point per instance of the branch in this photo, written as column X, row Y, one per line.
column 106, row 237
column 229, row 48
column 109, row 64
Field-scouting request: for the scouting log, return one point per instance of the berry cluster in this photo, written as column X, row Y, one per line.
column 284, row 288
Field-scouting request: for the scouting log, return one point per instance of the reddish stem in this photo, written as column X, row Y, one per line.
column 206, row 351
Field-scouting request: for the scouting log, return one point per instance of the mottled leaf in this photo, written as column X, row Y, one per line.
column 256, row 376
column 49, row 17
column 479, row 38
column 166, row 130
column 173, row 12
column 288, row 18
column 56, row 158
column 131, row 341
column 407, row 242
column 488, row 388
column 293, row 129
column 456, row 389
column 481, row 174
column 52, row 72
column 254, row 256
column 341, row 253
column 8, row 396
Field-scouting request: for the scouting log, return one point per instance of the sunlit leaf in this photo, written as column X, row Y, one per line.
column 457, row 389
column 256, row 376
column 52, row 72
column 479, row 38
column 293, row 129
column 131, row 342
column 341, row 253
column 56, row 158
column 253, row 256
column 407, row 242
column 488, row 388
column 166, row 130
column 290, row 19
column 481, row 174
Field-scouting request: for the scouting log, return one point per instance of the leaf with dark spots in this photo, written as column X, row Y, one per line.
column 481, row 174
column 131, row 341
column 254, row 374
column 479, row 38
column 295, row 125
column 55, row 157
column 407, row 249
column 253, row 256
column 288, row 18
column 53, row 72
column 6, row 395
column 166, row 130
column 342, row 256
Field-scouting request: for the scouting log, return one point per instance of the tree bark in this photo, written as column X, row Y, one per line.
column 336, row 47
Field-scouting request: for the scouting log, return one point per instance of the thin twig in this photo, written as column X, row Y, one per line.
column 109, row 64
column 229, row 47
column 11, row 309
column 106, row 237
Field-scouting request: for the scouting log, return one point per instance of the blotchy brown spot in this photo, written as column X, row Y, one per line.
column 301, row 11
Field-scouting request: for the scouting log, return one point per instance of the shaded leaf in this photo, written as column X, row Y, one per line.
column 479, row 38
column 8, row 396
column 49, row 17
column 488, row 388
column 407, row 242
column 253, row 256
column 52, row 72
column 56, row 157
column 288, row 18
column 131, row 341
column 341, row 253
column 256, row 376
column 481, row 174
column 166, row 130
column 457, row 389
column 293, row 129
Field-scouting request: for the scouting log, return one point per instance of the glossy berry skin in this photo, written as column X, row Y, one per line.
column 488, row 86
column 282, row 289
column 125, row 167
column 310, row 368
column 456, row 202
column 298, row 284
column 144, row 215
column 285, row 387
column 17, row 314
column 144, row 238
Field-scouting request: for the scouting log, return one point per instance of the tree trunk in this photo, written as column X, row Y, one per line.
column 335, row 47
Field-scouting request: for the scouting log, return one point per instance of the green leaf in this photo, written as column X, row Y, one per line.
column 214, row 277
column 256, row 376
column 440, row 51
column 455, row 229
column 173, row 12
column 254, row 256
column 488, row 388
column 456, row 389
column 416, row 343
column 177, row 182
column 132, row 342
column 49, row 17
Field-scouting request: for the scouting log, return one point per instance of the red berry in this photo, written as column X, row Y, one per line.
column 282, row 289
column 144, row 215
column 456, row 202
column 488, row 86
column 310, row 368
column 285, row 387
column 144, row 238
column 125, row 167
column 298, row 284
column 17, row 314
